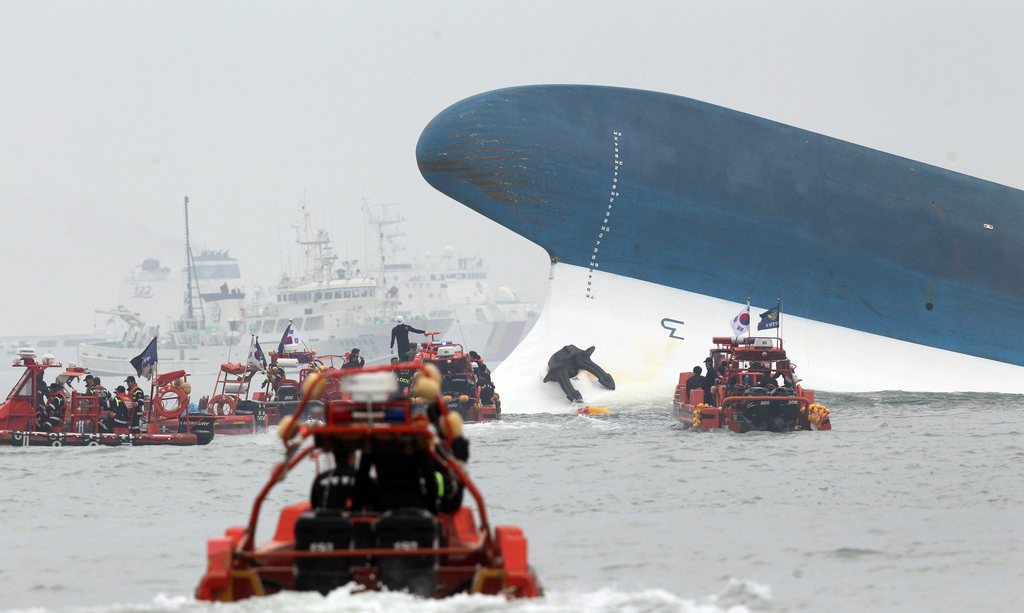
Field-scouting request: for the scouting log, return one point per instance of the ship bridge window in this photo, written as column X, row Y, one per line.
column 348, row 293
column 364, row 293
column 296, row 323
column 318, row 296
column 268, row 326
column 315, row 323
column 282, row 324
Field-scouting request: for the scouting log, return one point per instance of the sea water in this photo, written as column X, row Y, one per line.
column 913, row 502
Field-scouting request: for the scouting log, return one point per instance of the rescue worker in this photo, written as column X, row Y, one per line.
column 695, row 382
column 483, row 378
column 138, row 404
column 427, row 384
column 101, row 393
column 41, row 391
column 51, row 416
column 354, row 360
column 709, row 381
column 405, row 476
column 404, row 378
column 119, row 407
column 336, row 488
column 400, row 334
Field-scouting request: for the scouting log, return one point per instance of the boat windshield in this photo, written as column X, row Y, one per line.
column 23, row 389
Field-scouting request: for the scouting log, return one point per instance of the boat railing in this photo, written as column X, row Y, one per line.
column 296, row 435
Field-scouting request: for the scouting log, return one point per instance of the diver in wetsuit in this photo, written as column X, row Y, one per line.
column 400, row 334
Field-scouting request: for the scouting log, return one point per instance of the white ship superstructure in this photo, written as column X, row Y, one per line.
column 204, row 334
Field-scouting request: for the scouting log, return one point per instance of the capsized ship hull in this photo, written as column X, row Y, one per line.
column 906, row 274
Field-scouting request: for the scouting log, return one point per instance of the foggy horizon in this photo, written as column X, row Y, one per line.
column 112, row 113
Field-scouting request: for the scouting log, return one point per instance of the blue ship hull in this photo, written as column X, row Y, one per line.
column 705, row 199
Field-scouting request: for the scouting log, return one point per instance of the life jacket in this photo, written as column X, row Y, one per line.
column 119, row 405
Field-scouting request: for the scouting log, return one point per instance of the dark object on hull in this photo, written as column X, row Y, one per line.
column 567, row 362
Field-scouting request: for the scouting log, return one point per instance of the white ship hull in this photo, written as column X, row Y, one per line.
column 624, row 318
column 111, row 360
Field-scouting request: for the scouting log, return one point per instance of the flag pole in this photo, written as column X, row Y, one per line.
column 778, row 329
column 748, row 318
column 152, row 381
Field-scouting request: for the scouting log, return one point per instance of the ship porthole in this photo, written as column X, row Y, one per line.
column 929, row 306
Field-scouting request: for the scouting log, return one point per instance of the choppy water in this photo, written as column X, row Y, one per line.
column 913, row 502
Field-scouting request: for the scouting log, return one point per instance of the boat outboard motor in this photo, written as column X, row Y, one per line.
column 408, row 529
column 322, row 530
column 567, row 362
column 287, row 393
column 202, row 427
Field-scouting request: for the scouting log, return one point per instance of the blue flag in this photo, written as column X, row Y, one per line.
column 769, row 319
column 145, row 362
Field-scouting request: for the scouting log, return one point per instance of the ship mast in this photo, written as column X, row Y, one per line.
column 379, row 223
column 195, row 317
column 318, row 253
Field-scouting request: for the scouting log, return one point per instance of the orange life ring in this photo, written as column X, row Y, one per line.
column 166, row 393
column 222, row 405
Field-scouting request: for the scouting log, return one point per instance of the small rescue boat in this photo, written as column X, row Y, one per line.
column 400, row 549
column 166, row 419
column 287, row 371
column 756, row 390
column 466, row 391
column 234, row 412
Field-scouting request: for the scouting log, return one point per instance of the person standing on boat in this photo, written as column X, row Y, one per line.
column 709, row 381
column 354, row 360
column 483, row 378
column 400, row 334
column 119, row 407
column 138, row 403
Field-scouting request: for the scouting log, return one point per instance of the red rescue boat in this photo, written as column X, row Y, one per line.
column 430, row 555
column 466, row 389
column 166, row 420
column 233, row 410
column 756, row 390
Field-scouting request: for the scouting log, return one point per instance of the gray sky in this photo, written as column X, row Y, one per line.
column 111, row 112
